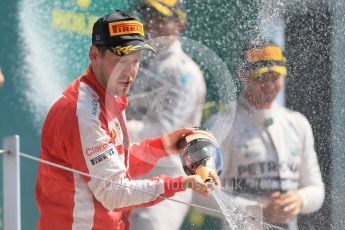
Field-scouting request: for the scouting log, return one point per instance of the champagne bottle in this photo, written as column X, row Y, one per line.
column 201, row 154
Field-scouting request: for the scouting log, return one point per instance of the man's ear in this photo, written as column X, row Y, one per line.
column 94, row 54
column 181, row 26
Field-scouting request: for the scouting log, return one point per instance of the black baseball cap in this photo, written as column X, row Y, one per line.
column 120, row 32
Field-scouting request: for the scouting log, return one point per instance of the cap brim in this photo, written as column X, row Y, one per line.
column 278, row 69
column 131, row 47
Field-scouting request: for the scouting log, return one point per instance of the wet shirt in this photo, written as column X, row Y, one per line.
column 168, row 94
column 272, row 150
column 86, row 130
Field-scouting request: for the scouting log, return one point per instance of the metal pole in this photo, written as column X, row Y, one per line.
column 11, row 183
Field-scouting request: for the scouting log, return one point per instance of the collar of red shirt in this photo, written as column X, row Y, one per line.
column 113, row 104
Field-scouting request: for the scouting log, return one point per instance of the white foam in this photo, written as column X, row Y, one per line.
column 42, row 82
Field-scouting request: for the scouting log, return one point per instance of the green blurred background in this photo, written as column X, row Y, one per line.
column 44, row 46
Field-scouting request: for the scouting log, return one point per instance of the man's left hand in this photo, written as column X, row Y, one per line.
column 170, row 140
column 290, row 202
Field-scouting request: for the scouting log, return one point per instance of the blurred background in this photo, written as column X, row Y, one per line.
column 44, row 46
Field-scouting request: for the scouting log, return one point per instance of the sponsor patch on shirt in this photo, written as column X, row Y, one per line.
column 115, row 130
column 103, row 156
column 94, row 150
column 264, row 168
column 184, row 79
column 94, row 106
column 263, row 185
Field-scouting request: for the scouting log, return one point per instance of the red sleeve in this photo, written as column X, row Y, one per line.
column 145, row 155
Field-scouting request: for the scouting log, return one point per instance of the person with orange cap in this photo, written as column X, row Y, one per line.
column 170, row 93
column 269, row 154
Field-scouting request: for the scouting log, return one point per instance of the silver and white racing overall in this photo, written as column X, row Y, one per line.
column 168, row 94
column 267, row 151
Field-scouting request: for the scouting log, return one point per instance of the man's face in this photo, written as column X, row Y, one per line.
column 265, row 88
column 157, row 25
column 117, row 73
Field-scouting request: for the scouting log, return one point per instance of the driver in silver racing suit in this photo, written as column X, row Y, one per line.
column 269, row 156
column 169, row 92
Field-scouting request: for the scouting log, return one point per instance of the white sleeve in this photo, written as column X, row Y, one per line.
column 122, row 193
column 103, row 160
column 311, row 186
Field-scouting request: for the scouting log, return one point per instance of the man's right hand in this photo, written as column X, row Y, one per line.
column 195, row 182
